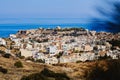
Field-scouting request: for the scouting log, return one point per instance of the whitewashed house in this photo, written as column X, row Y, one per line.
column 109, row 53
column 52, row 60
column 52, row 50
column 12, row 36
column 88, row 48
column 38, row 56
column 84, row 57
column 101, row 47
column 17, row 42
column 2, row 41
column 29, row 46
column 27, row 53
column 115, row 54
column 67, row 59
column 64, row 59
column 93, row 33
column 114, row 57
column 17, row 45
column 87, row 56
column 65, row 47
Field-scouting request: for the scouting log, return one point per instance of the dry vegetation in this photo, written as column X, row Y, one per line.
column 16, row 73
column 75, row 71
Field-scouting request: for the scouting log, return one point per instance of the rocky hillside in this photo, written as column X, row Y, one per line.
column 103, row 70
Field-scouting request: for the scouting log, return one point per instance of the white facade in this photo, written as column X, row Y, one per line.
column 26, row 53
column 38, row 56
column 52, row 50
column 29, row 46
column 87, row 56
column 12, row 36
column 2, row 41
column 88, row 48
column 52, row 60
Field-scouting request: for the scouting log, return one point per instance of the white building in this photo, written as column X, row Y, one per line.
column 29, row 46
column 12, row 36
column 52, row 50
column 87, row 56
column 2, row 41
column 52, row 60
column 38, row 56
column 88, row 48
column 26, row 53
column 65, row 47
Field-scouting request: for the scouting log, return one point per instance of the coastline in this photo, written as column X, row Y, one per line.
column 7, row 29
column 72, row 51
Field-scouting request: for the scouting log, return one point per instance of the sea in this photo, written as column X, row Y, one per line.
column 12, row 26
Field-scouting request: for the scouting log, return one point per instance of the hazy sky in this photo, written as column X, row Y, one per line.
column 48, row 8
column 33, row 11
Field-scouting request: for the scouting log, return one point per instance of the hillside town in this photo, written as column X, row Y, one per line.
column 61, row 45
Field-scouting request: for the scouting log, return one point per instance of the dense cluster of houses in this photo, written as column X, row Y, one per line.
column 61, row 46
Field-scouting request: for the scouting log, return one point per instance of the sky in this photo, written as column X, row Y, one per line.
column 24, row 11
column 48, row 8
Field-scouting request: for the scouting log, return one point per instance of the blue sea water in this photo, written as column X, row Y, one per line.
column 13, row 25
column 7, row 29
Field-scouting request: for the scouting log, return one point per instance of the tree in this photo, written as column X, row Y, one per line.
column 18, row 64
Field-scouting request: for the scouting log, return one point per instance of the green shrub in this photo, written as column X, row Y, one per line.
column 2, row 52
column 78, row 61
column 30, row 58
column 22, row 57
column 59, row 55
column 46, row 74
column 40, row 61
column 3, row 70
column 18, row 64
column 7, row 55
